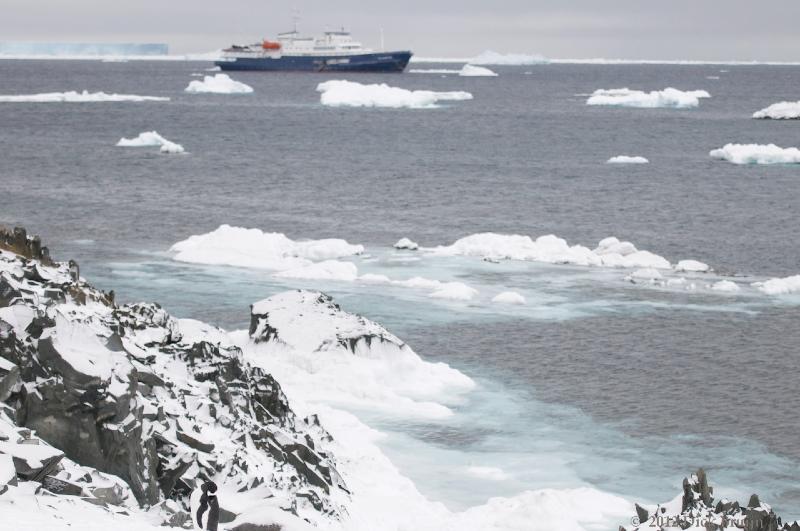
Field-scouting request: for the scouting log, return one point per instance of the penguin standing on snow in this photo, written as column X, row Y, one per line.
column 205, row 507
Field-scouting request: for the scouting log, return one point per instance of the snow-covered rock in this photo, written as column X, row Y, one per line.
column 625, row 159
column 669, row 97
column 476, row 71
column 218, row 84
column 341, row 93
column 756, row 154
column 151, row 138
column 77, row 97
column 785, row 110
column 509, row 297
column 237, row 246
column 405, row 243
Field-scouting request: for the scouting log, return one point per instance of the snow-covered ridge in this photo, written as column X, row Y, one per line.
column 756, row 154
column 77, row 97
column 151, row 138
column 237, row 246
column 218, row 84
column 626, row 159
column 341, row 93
column 785, row 110
column 668, row 98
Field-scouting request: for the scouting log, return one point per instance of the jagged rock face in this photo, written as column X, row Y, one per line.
column 18, row 242
column 310, row 321
column 161, row 403
column 697, row 511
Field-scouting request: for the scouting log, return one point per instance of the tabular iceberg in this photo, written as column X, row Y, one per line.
column 756, row 154
column 340, row 93
column 77, row 97
column 669, row 98
column 625, row 159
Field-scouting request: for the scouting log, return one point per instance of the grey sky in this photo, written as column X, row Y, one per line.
column 635, row 29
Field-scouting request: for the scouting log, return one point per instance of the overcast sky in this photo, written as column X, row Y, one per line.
column 632, row 29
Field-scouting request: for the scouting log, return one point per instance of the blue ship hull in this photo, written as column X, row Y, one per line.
column 370, row 62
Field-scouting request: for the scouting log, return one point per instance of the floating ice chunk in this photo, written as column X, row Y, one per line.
column 669, row 97
column 237, row 246
column 151, row 138
column 77, row 97
column 780, row 286
column 341, row 93
column 475, row 71
column 372, row 278
column 692, row 266
column 785, row 110
column 433, row 71
column 647, row 274
column 725, row 285
column 327, row 270
column 454, row 291
column 756, row 154
column 487, row 472
column 625, row 159
column 509, row 297
column 218, row 84
column 405, row 243
column 512, row 59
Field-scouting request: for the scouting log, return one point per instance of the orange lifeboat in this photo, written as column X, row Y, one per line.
column 270, row 45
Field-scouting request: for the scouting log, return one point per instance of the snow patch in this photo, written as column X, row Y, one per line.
column 341, row 93
column 669, row 98
column 509, row 297
column 625, row 159
column 76, row 97
column 756, row 154
column 785, row 110
column 151, row 138
column 475, row 71
column 218, row 84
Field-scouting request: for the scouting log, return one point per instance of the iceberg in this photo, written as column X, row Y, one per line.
column 610, row 252
column 692, row 266
column 151, row 138
column 509, row 297
column 476, row 71
column 405, row 243
column 237, row 246
column 341, row 93
column 510, row 59
column 668, row 98
column 780, row 286
column 726, row 286
column 76, row 97
column 625, row 159
column 454, row 291
column 785, row 110
column 433, row 71
column 756, row 154
column 218, row 84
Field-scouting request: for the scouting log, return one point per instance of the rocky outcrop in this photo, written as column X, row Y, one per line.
column 695, row 509
column 128, row 391
column 16, row 240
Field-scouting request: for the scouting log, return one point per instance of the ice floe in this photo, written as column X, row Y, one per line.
column 218, row 84
column 151, row 138
column 509, row 297
column 77, row 97
column 511, row 59
column 756, row 154
column 780, row 286
column 405, row 243
column 341, row 93
column 326, row 270
column 455, row 291
column 625, row 159
column 433, row 71
column 725, row 285
column 237, row 246
column 669, row 97
column 475, row 71
column 610, row 252
column 692, row 266
column 785, row 110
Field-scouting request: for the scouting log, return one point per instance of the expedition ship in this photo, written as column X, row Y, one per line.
column 335, row 51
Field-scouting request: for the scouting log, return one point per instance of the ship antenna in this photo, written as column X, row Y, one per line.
column 382, row 46
column 295, row 18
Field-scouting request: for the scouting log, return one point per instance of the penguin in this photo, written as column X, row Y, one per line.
column 205, row 507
